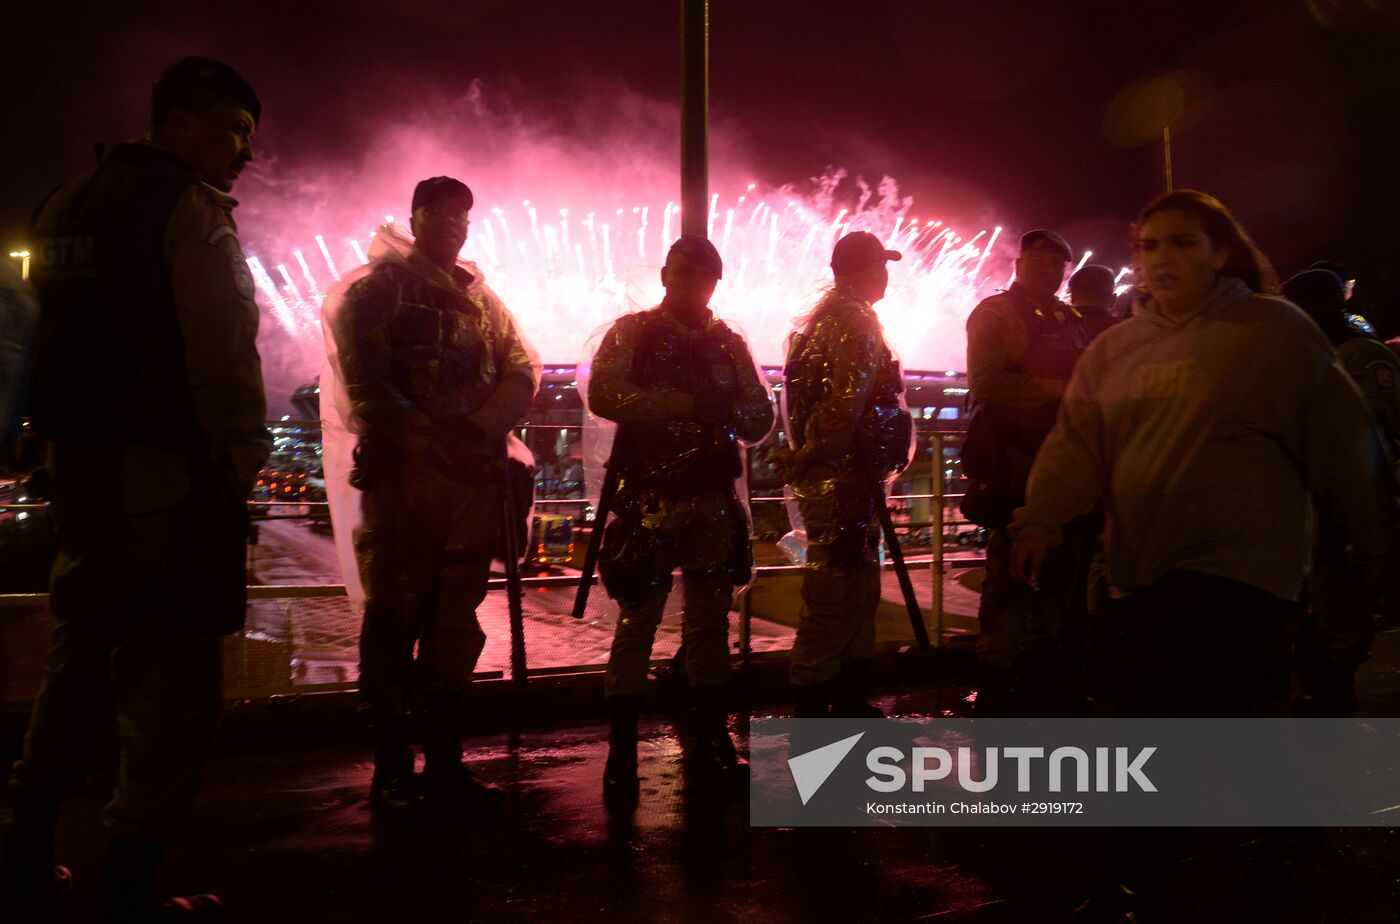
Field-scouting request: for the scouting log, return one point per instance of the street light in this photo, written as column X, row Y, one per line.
column 23, row 257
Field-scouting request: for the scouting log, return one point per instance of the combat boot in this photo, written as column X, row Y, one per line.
column 850, row 696
column 394, row 793
column 448, row 786
column 30, row 881
column 1117, row 904
column 995, row 693
column 621, row 787
column 126, row 896
column 1332, row 695
column 714, row 761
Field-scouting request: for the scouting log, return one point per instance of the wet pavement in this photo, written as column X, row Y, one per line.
column 283, row 833
column 298, row 644
column 307, row 642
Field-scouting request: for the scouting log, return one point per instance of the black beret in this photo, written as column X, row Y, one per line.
column 1043, row 239
column 1092, row 278
column 207, row 74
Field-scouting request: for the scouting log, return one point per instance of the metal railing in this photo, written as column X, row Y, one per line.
column 244, row 650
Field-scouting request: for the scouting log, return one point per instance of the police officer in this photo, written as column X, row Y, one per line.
column 149, row 391
column 1372, row 365
column 684, row 391
column 436, row 374
column 1336, row 637
column 1022, row 345
column 849, row 430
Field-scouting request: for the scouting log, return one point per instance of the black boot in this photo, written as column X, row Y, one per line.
column 850, row 696
column 30, row 880
column 1116, row 904
column 448, row 786
column 1332, row 693
column 394, row 793
column 125, row 894
column 621, row 788
column 995, row 693
column 811, row 700
column 715, row 762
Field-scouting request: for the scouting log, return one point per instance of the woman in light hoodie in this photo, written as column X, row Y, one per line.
column 1209, row 424
column 1214, row 425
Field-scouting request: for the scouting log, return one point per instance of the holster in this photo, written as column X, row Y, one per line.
column 520, row 496
column 740, row 548
column 211, row 563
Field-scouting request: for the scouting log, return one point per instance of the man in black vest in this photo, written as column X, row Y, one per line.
column 149, row 391
column 1022, row 345
column 1337, row 634
column 684, row 391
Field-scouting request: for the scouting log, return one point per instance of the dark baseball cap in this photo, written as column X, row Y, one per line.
column 442, row 189
column 173, row 86
column 1092, row 279
column 859, row 250
column 1313, row 287
column 1044, row 239
column 1331, row 266
column 697, row 250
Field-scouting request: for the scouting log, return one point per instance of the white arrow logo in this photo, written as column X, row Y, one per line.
column 811, row 770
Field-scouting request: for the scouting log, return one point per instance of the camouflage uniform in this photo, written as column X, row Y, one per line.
column 676, row 504
column 421, row 348
column 846, row 414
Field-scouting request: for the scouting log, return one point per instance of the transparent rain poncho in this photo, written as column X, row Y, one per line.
column 343, row 423
column 846, row 418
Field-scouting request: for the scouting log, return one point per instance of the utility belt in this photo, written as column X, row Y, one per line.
column 710, row 464
column 629, row 561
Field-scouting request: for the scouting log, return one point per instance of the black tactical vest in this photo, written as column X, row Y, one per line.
column 682, row 456
column 109, row 365
column 1055, row 347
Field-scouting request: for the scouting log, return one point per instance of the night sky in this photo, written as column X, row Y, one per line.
column 1022, row 113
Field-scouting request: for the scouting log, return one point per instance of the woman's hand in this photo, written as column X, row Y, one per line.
column 1027, row 555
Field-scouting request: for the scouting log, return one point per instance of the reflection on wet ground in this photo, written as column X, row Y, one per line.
column 315, row 640
column 283, row 832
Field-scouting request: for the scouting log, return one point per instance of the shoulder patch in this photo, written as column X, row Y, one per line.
column 242, row 276
column 221, row 232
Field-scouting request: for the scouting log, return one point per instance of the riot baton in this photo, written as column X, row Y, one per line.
column 916, row 615
column 595, row 540
column 877, row 494
column 514, row 594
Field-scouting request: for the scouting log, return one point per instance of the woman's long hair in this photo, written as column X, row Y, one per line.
column 831, row 293
column 1244, row 261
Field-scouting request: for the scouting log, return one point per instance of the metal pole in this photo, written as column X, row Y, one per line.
column 1167, row 153
column 519, row 665
column 746, row 626
column 695, row 117
column 936, row 559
